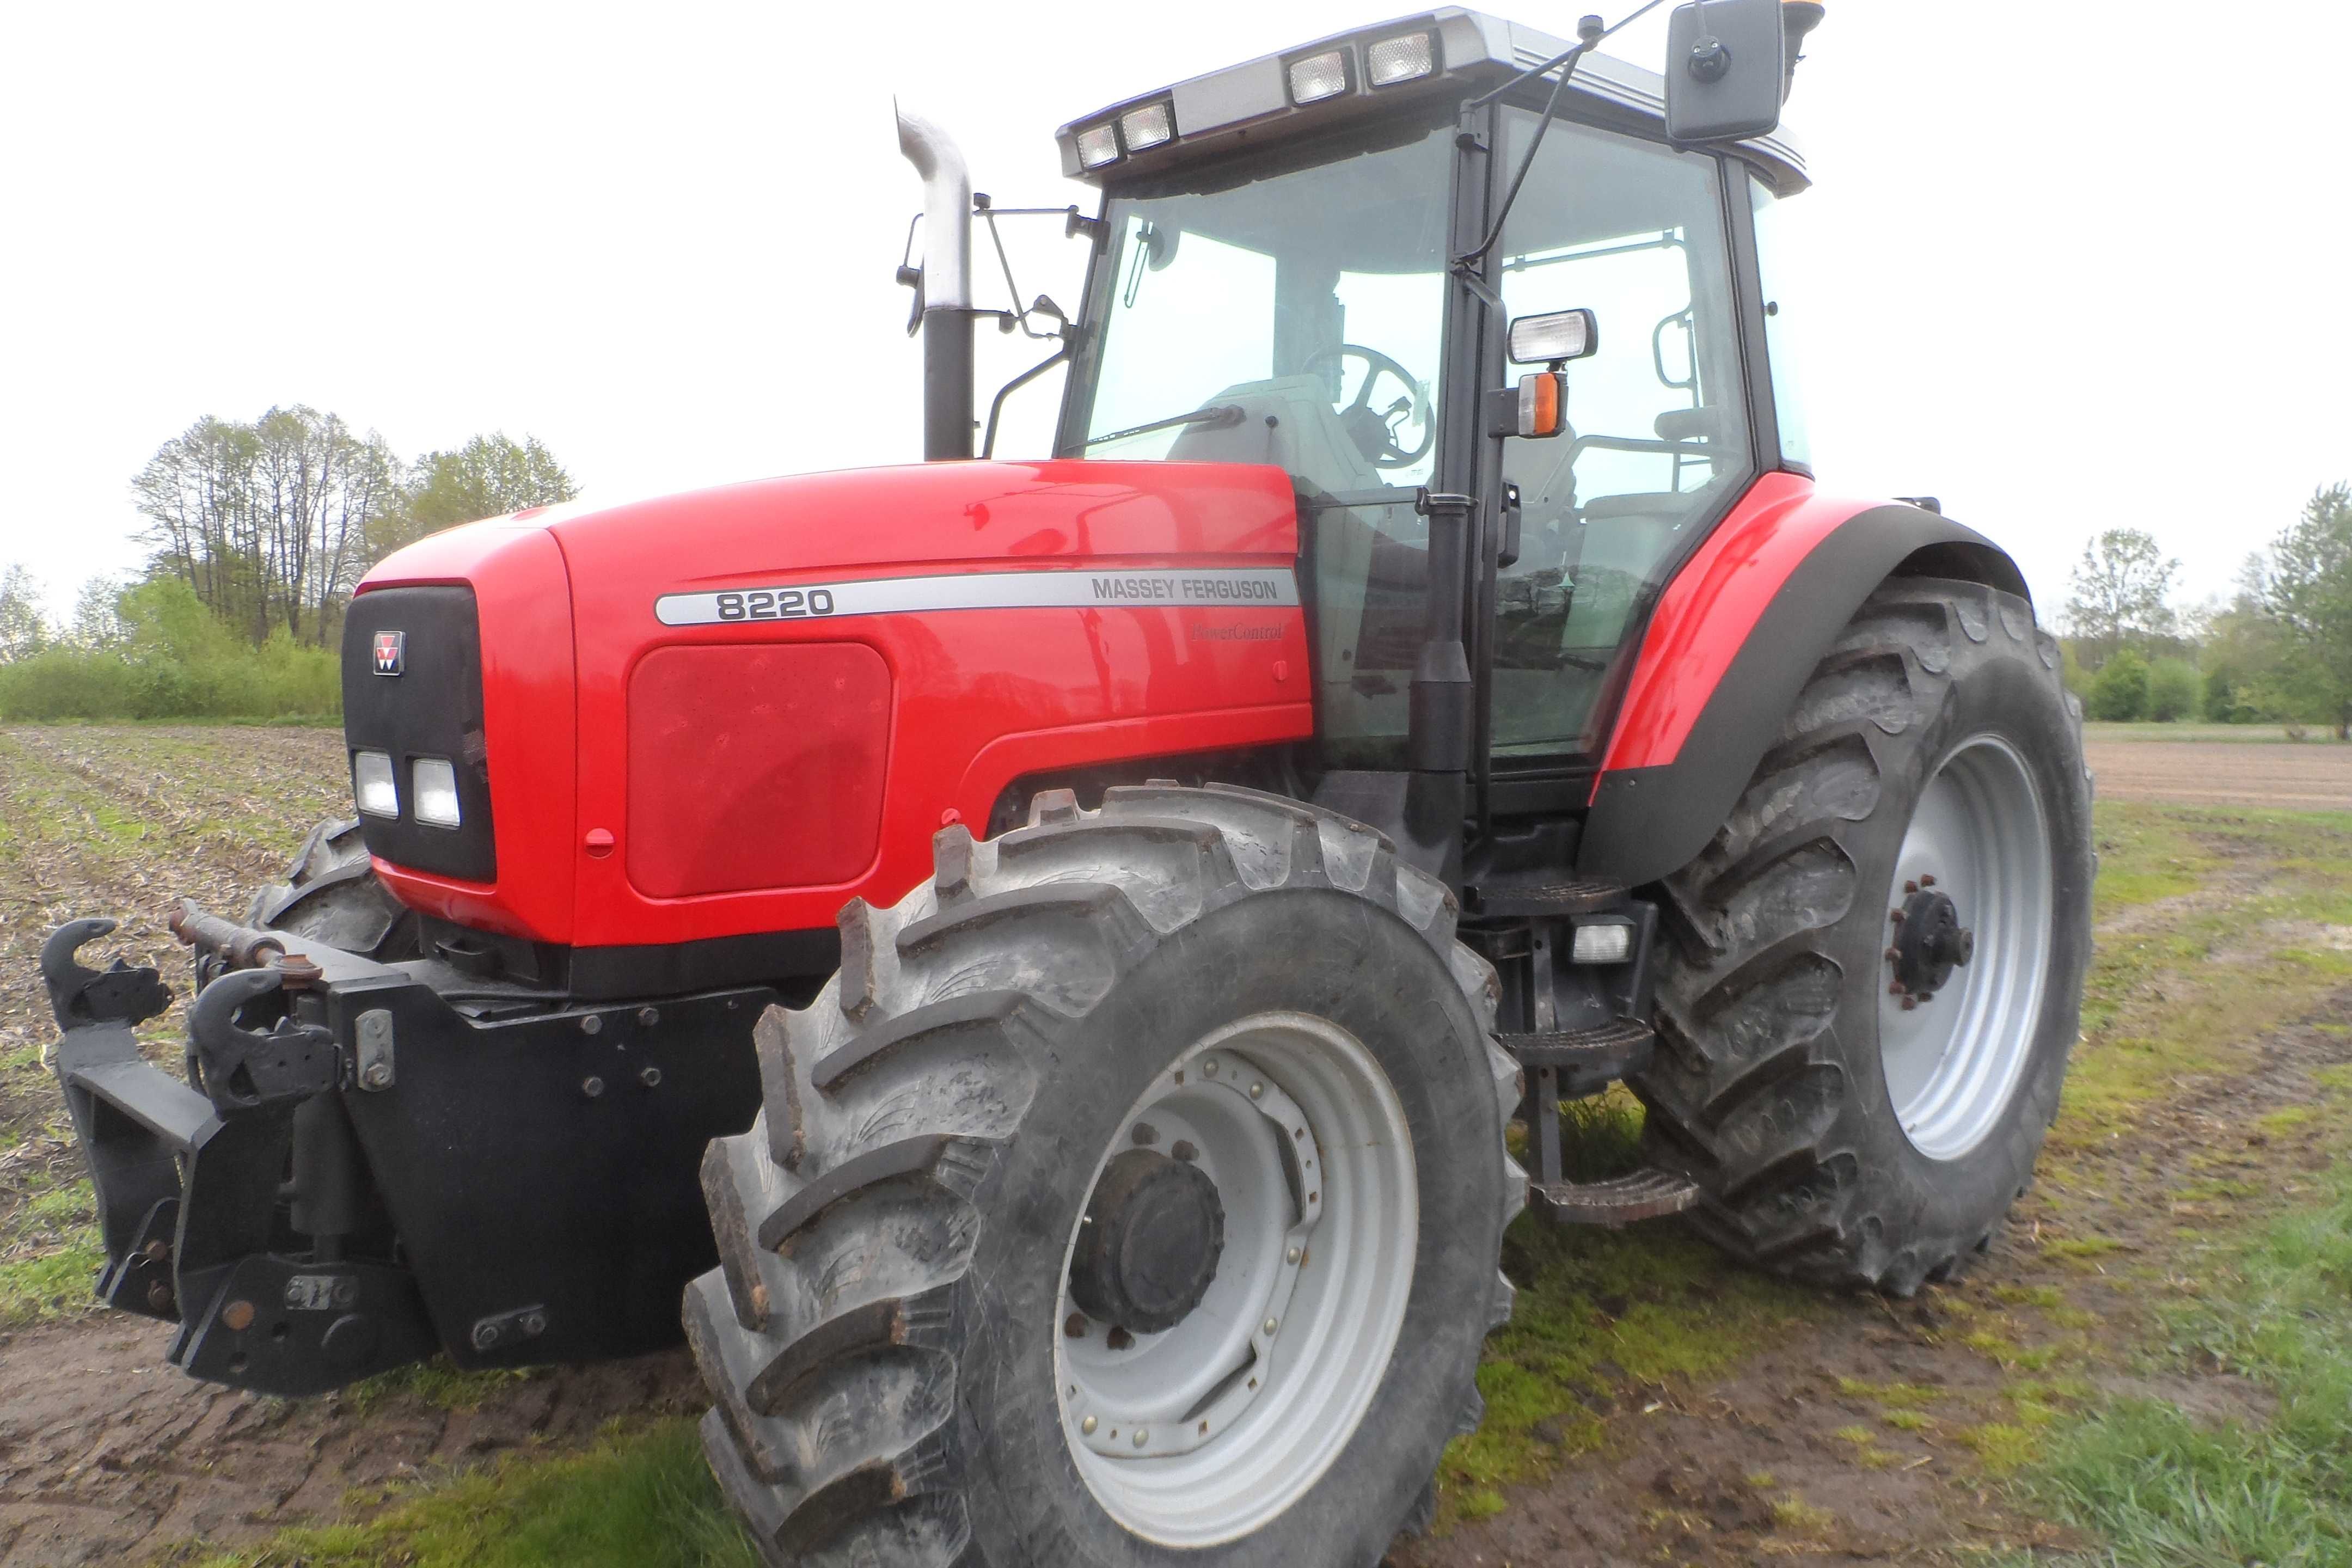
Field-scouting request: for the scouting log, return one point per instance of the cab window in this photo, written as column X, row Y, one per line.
column 1658, row 423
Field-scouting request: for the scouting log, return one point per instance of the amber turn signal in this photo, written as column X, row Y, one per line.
column 1543, row 401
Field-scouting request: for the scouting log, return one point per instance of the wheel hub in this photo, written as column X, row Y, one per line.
column 1148, row 1249
column 1930, row 943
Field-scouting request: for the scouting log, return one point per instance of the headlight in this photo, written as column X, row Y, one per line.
column 1601, row 944
column 371, row 784
column 1097, row 145
column 436, row 796
column 1318, row 77
column 1405, row 57
column 1146, row 128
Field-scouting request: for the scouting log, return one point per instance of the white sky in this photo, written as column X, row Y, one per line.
column 2088, row 272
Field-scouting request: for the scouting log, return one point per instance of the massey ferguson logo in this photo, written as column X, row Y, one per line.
column 391, row 652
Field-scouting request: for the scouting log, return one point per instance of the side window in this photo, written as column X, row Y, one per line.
column 1784, row 321
column 1657, row 422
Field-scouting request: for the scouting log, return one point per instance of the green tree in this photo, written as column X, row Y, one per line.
column 2119, row 694
column 2172, row 690
column 489, row 476
column 2305, row 588
column 2118, row 594
column 23, row 630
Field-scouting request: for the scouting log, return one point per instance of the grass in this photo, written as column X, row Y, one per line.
column 636, row 1499
column 2159, row 1488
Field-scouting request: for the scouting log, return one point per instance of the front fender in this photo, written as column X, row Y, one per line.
column 1735, row 636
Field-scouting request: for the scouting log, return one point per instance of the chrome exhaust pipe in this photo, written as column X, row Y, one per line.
column 946, row 285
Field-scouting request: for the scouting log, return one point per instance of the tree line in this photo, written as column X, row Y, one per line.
column 259, row 532
column 2278, row 650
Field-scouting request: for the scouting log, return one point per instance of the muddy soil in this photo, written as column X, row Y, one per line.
column 2222, row 772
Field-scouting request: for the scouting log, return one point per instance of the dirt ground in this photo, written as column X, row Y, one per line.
column 1863, row 1430
column 2279, row 774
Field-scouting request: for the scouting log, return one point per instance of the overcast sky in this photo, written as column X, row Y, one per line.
column 2086, row 272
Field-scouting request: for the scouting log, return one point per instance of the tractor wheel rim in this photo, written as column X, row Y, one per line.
column 1953, row 1061
column 1206, row 1431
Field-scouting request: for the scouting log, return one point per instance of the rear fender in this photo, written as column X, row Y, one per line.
column 1736, row 636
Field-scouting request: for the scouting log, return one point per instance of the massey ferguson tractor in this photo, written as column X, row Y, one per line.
column 1062, row 963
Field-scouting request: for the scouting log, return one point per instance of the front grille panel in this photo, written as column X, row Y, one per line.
column 432, row 709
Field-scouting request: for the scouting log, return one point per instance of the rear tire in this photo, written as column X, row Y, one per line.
column 889, row 1338
column 1840, row 1135
column 332, row 895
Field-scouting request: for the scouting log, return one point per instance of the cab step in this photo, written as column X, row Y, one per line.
column 1553, row 900
column 1648, row 1194
column 1586, row 1061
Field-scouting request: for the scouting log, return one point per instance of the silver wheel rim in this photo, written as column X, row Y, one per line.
column 1205, row 1432
column 1953, row 1062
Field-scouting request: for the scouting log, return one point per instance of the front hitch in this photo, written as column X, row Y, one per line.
column 188, row 1183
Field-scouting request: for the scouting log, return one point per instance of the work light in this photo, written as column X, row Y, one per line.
column 1611, row 943
column 1147, row 126
column 371, row 784
column 1318, row 77
column 1098, row 145
column 1405, row 57
column 435, row 791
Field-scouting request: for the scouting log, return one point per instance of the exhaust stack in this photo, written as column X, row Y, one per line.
column 946, row 285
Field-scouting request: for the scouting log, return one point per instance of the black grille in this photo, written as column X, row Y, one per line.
column 432, row 709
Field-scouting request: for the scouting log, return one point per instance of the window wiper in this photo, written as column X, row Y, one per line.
column 1216, row 416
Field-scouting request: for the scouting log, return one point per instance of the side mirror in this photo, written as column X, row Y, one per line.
column 1728, row 65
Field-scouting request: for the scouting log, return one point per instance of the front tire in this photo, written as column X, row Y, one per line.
column 332, row 895
column 1855, row 1113
column 901, row 1377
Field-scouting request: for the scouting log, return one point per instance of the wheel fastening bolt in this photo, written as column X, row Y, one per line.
column 1894, row 955
column 1185, row 1151
column 1088, row 1425
column 1141, row 1436
column 1271, row 1325
column 1292, row 1256
column 1909, row 1003
column 1910, row 887
column 1257, row 1091
column 1927, row 881
column 1894, row 988
column 1118, row 1339
column 1209, row 1067
column 1895, row 915
column 1075, row 1325
column 1146, row 1134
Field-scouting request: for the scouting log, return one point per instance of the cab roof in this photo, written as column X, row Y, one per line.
column 1472, row 51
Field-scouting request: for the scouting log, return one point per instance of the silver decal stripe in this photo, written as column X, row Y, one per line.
column 1222, row 588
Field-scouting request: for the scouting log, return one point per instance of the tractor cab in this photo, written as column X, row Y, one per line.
column 1316, row 261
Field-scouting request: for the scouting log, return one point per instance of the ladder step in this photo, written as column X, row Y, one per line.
column 1649, row 1193
column 1547, row 900
column 1587, row 1060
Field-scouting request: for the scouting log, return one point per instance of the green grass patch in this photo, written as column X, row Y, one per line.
column 2159, row 1487
column 439, row 1383
column 51, row 1285
column 1601, row 1316
column 640, row 1499
column 1893, row 1395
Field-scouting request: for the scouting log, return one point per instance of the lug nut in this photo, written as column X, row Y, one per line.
column 1894, row 988
column 1292, row 1256
column 1141, row 1436
column 1894, row 955
column 1257, row 1091
column 1910, row 887
column 1909, row 1003
column 1926, row 881
column 1184, row 1151
column 1271, row 1324
column 1146, row 1134
column 1895, row 915
column 1075, row 1325
column 1209, row 1067
column 1118, row 1339
column 1088, row 1425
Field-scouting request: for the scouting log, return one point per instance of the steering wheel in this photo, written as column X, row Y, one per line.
column 1374, row 430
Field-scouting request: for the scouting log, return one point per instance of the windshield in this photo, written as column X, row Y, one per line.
column 1295, row 311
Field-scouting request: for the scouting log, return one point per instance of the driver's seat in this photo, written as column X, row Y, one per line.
column 1305, row 437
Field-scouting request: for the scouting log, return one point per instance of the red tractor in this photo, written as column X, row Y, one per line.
column 1082, row 929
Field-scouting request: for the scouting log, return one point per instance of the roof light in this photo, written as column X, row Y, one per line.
column 1097, row 145
column 1405, row 57
column 1146, row 128
column 371, row 784
column 1318, row 77
column 436, row 785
